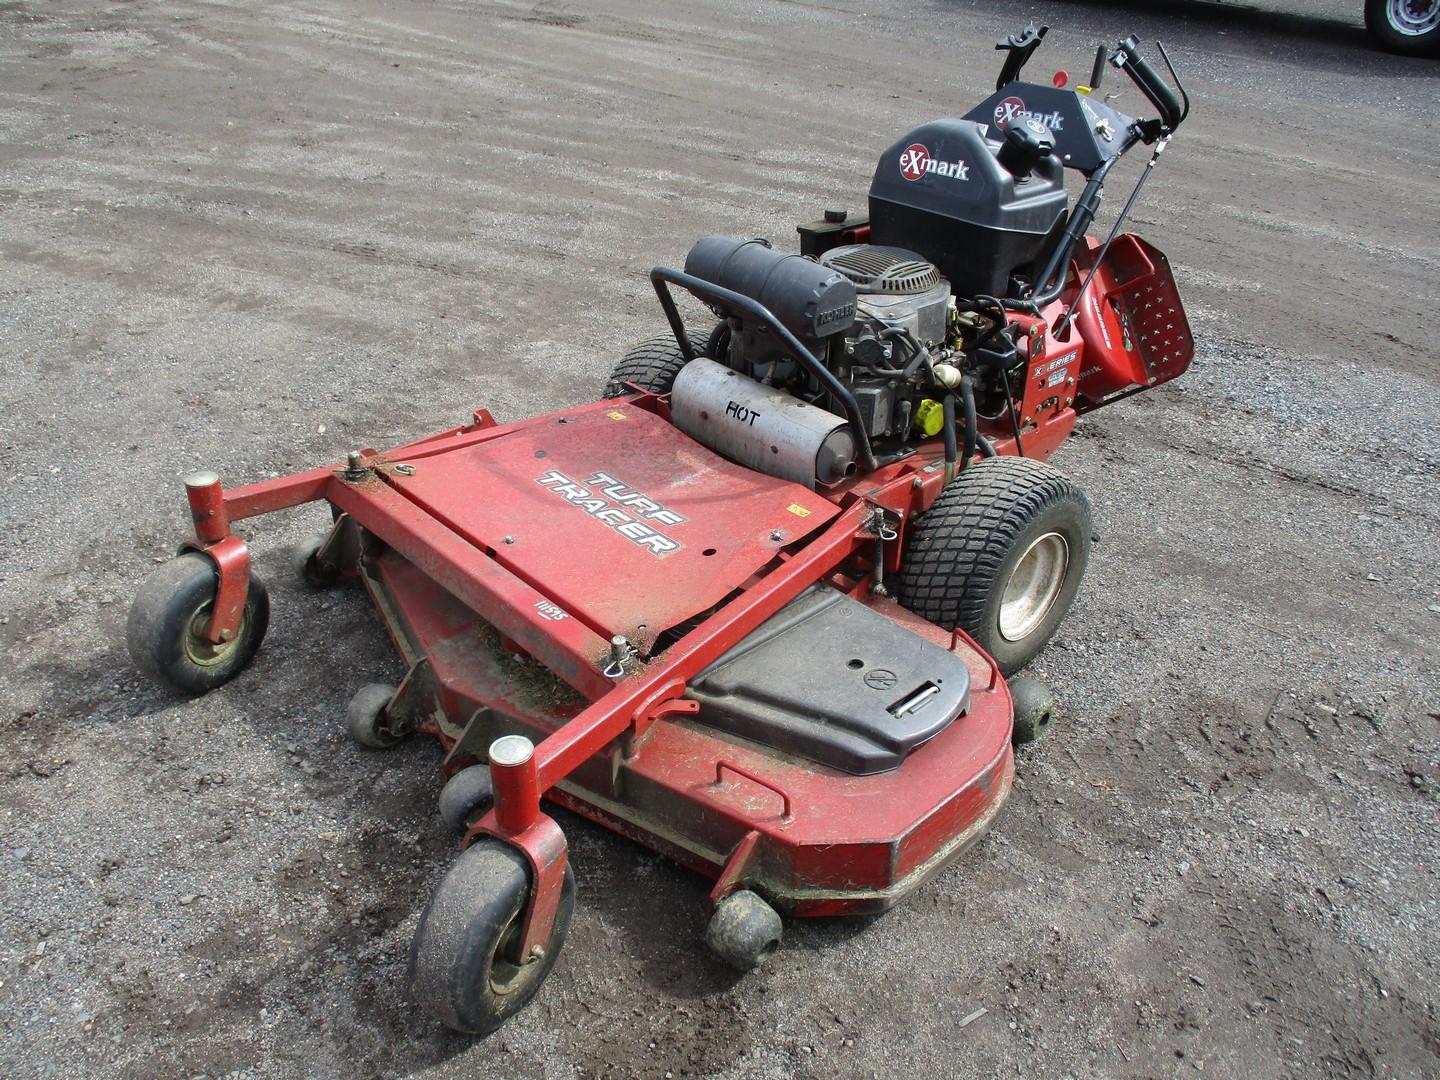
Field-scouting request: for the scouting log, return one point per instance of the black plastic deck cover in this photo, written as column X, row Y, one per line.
column 828, row 679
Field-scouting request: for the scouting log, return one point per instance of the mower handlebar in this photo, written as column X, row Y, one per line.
column 1173, row 107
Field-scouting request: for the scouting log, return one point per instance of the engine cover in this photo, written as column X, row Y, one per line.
column 895, row 287
column 761, row 427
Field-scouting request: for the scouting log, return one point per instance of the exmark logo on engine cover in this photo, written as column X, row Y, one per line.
column 915, row 162
column 623, row 509
column 1013, row 108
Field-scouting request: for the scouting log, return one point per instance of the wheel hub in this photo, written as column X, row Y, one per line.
column 198, row 646
column 1033, row 586
column 1414, row 17
column 506, row 975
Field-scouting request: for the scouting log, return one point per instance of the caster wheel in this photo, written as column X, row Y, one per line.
column 168, row 619
column 744, row 930
column 460, row 969
column 1034, row 709
column 314, row 572
column 365, row 717
column 466, row 797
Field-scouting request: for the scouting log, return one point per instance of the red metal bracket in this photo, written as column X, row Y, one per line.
column 545, row 849
column 229, row 554
column 735, row 867
column 666, row 701
column 232, row 567
column 517, row 820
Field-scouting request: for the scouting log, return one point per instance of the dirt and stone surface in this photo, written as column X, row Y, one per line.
column 252, row 237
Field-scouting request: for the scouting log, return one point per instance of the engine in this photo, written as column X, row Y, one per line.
column 903, row 311
column 900, row 325
column 882, row 321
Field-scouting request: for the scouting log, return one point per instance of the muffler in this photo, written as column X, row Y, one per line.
column 761, row 427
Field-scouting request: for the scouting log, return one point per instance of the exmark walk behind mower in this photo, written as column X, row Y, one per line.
column 756, row 608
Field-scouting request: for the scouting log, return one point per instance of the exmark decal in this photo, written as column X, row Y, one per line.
column 915, row 162
column 623, row 509
column 1013, row 108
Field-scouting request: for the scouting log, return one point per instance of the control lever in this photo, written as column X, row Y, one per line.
column 1173, row 108
column 1018, row 48
column 1097, row 72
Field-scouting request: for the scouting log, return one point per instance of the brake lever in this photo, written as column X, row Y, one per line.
column 1184, row 97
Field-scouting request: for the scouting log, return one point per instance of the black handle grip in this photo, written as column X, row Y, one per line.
column 1097, row 72
column 1151, row 85
column 1017, row 49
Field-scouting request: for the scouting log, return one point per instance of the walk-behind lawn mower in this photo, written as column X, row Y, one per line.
column 757, row 607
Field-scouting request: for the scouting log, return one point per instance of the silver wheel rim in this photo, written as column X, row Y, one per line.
column 199, row 649
column 1033, row 587
column 1413, row 17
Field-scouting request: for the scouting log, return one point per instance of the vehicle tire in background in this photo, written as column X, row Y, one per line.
column 652, row 365
column 1409, row 27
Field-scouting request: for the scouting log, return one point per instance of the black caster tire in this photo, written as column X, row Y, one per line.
column 312, row 571
column 1000, row 555
column 1034, row 709
column 458, row 968
column 365, row 717
column 466, row 797
column 165, row 631
column 744, row 930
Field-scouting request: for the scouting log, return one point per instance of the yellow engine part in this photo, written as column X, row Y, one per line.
column 929, row 417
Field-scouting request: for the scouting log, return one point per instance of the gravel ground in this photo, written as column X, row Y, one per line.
column 250, row 239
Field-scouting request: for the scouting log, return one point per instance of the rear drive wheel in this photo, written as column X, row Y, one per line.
column 1411, row 27
column 1000, row 555
column 744, row 930
column 652, row 365
column 461, row 969
column 166, row 630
